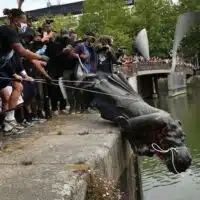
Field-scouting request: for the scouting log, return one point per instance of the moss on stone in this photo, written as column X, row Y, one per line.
column 60, row 133
column 101, row 189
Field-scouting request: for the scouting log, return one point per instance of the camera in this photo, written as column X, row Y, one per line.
column 49, row 21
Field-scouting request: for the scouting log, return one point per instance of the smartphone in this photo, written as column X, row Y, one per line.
column 45, row 34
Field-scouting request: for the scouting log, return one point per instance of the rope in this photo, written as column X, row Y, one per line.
column 158, row 149
column 92, row 91
column 54, row 80
column 75, row 88
column 67, row 81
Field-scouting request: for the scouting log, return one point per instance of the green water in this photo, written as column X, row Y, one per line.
column 158, row 183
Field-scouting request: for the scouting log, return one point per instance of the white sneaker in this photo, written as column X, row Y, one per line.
column 7, row 126
column 26, row 124
column 16, row 125
column 64, row 112
column 56, row 113
column 12, row 128
column 38, row 120
column 14, row 131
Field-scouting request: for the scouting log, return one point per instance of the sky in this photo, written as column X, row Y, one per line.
column 32, row 4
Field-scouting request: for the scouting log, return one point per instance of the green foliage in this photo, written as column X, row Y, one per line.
column 112, row 18
column 189, row 5
column 98, row 14
column 3, row 21
column 159, row 18
column 65, row 22
column 191, row 43
column 107, row 17
column 60, row 22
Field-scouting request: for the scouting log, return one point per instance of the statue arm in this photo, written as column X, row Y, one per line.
column 136, row 123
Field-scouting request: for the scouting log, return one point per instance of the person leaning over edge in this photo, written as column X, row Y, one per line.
column 10, row 44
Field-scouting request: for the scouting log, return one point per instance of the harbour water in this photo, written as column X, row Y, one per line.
column 158, row 183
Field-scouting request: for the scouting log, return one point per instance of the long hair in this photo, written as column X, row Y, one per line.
column 13, row 13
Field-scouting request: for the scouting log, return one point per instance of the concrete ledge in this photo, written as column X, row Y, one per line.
column 54, row 165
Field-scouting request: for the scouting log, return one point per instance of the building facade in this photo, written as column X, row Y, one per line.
column 75, row 8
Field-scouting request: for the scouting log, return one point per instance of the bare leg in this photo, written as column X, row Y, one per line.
column 14, row 97
column 5, row 98
column 10, row 102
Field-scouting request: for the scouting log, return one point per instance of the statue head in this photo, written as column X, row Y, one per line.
column 173, row 150
column 161, row 136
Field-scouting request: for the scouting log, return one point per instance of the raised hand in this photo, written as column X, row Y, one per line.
column 19, row 3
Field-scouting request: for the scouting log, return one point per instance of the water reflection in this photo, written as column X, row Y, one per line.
column 158, row 183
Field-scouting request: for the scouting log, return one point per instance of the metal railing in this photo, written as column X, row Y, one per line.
column 133, row 68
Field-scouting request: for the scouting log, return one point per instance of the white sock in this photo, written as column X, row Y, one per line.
column 7, row 126
column 10, row 115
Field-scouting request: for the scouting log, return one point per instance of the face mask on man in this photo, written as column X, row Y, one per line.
column 23, row 27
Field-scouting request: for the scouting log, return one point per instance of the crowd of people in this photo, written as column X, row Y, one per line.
column 32, row 61
column 161, row 60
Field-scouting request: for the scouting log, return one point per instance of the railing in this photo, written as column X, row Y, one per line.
column 135, row 68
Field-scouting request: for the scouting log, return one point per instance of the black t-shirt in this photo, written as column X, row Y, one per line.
column 8, row 36
column 58, row 62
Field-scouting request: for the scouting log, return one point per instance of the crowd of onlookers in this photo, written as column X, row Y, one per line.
column 161, row 60
column 153, row 59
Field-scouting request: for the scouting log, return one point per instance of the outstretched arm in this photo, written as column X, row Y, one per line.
column 39, row 65
column 17, row 47
column 32, row 57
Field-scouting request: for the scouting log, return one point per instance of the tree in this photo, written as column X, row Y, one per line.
column 190, row 45
column 60, row 22
column 109, row 17
column 189, row 5
column 3, row 21
column 159, row 18
column 65, row 22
